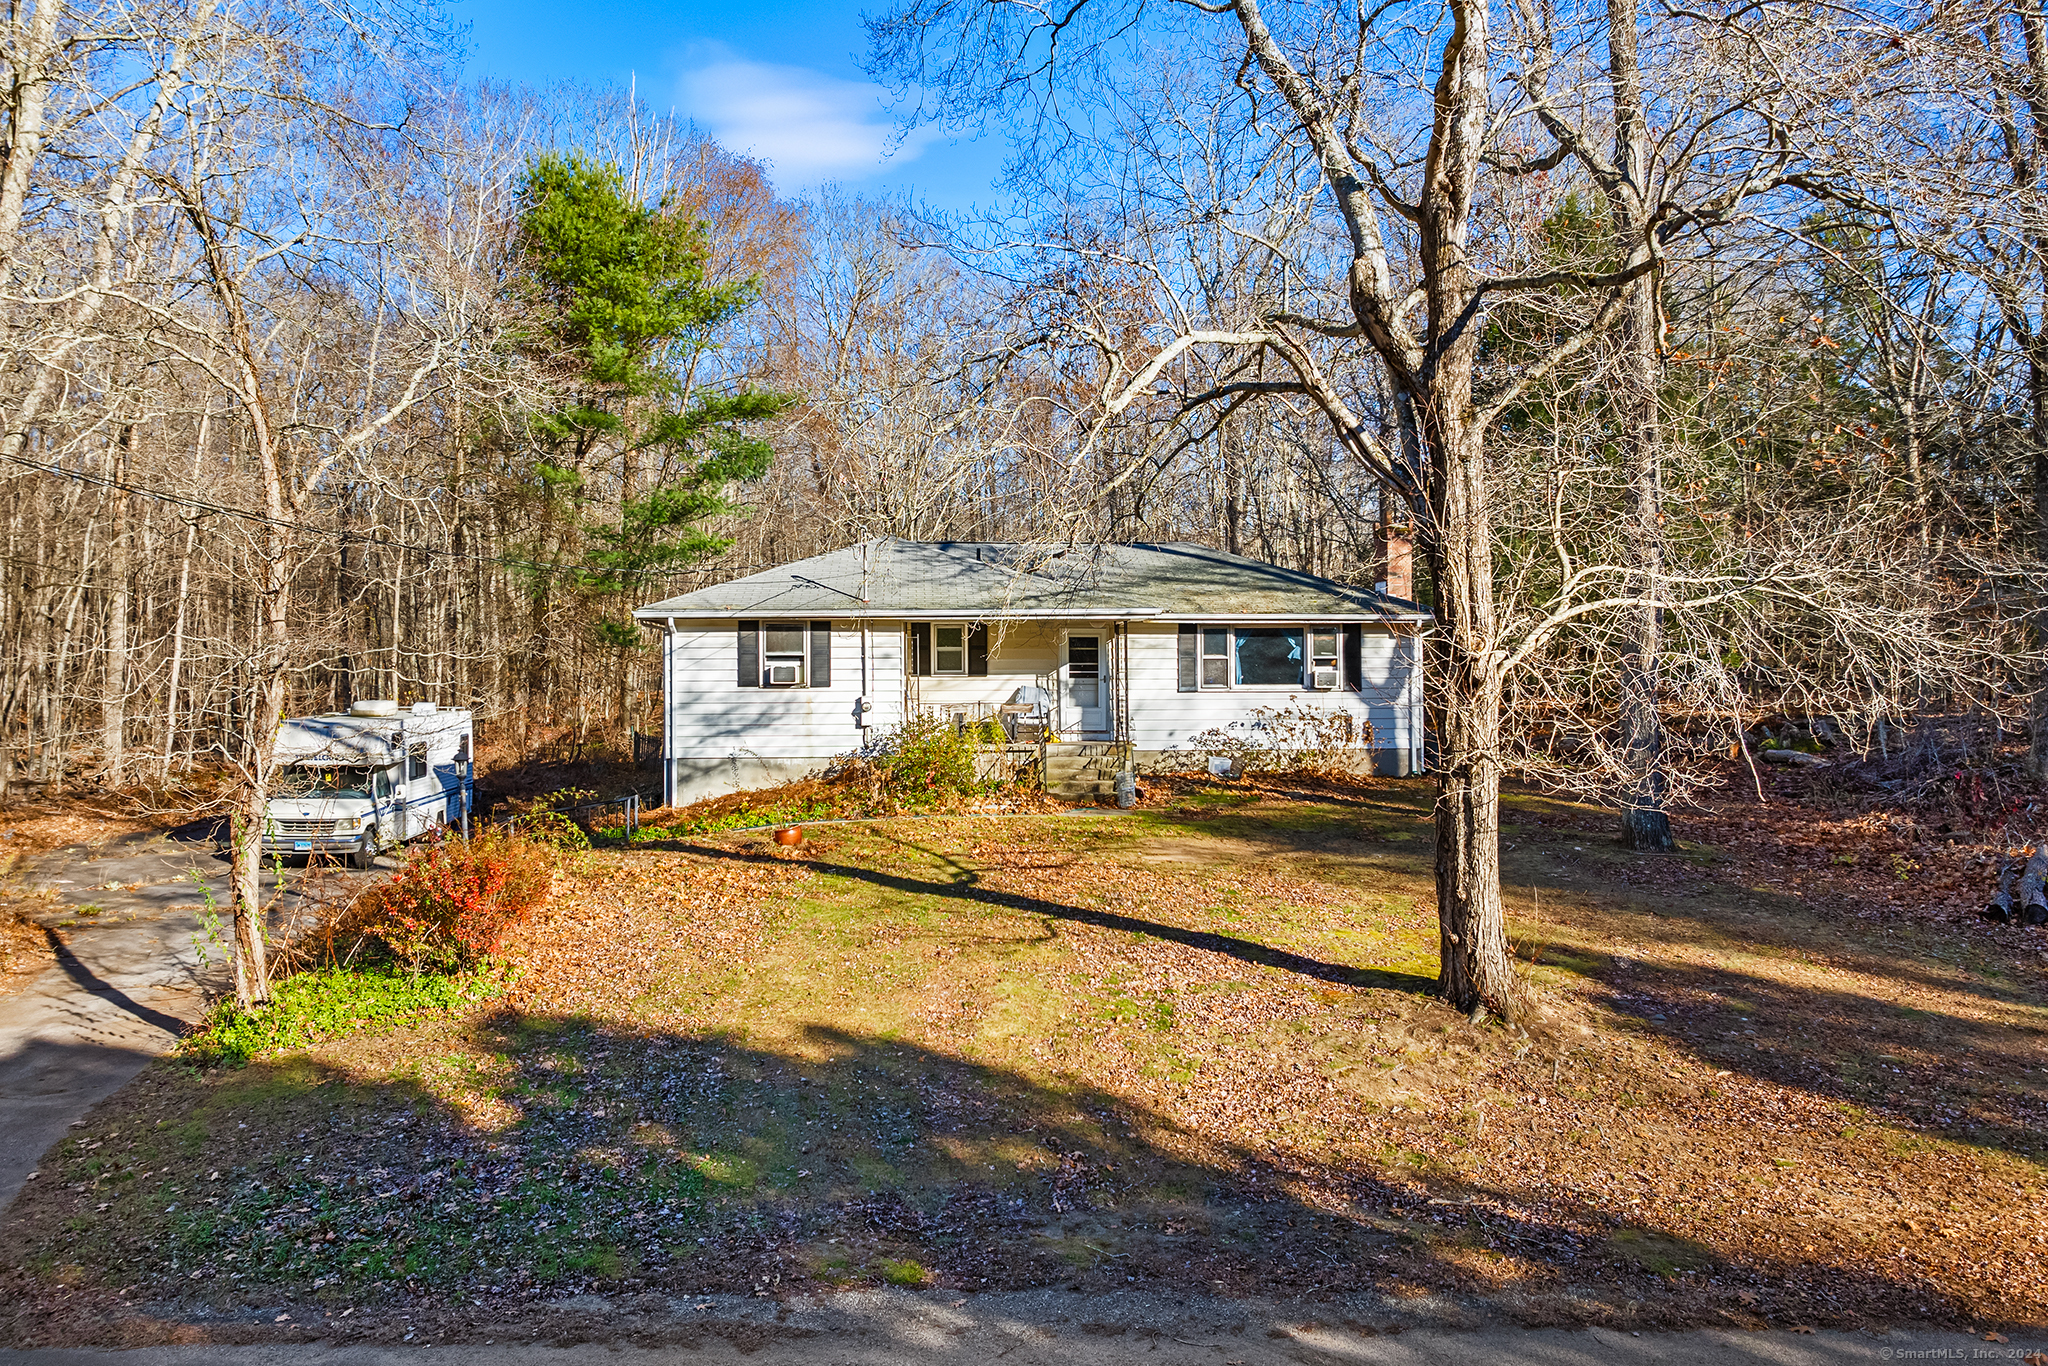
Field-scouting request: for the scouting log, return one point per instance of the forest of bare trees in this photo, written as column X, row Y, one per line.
column 1701, row 352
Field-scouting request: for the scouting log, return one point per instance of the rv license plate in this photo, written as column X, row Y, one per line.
column 302, row 844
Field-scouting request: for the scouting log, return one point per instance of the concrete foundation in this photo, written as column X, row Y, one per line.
column 696, row 779
column 1384, row 763
column 693, row 780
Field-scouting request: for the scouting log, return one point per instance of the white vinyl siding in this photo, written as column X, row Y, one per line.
column 1163, row 717
column 710, row 716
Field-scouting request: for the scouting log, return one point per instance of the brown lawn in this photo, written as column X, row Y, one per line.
column 1785, row 1077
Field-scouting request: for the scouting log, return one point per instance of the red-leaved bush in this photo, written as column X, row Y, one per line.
column 452, row 904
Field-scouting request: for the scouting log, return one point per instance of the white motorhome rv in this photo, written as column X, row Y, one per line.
column 374, row 777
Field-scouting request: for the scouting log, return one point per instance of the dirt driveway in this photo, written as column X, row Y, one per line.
column 125, row 920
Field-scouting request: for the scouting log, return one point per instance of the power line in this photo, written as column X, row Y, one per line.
column 383, row 542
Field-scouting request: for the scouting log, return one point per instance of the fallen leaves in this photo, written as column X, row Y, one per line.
column 1198, row 1049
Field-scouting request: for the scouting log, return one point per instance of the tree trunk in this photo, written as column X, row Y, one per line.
column 269, row 651
column 397, row 603
column 178, row 648
column 32, row 43
column 259, row 734
column 56, row 759
column 2034, row 338
column 1644, row 824
column 2037, row 719
column 1233, row 510
column 179, row 611
column 1475, row 973
column 114, row 697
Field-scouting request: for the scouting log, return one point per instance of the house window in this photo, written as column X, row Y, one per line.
column 782, row 654
column 1324, row 670
column 785, row 654
column 1269, row 656
column 1215, row 659
column 949, row 649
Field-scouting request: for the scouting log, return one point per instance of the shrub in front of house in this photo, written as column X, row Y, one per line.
column 1294, row 739
column 548, row 818
column 925, row 761
column 453, row 904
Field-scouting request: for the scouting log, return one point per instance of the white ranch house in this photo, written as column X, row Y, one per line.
column 1128, row 650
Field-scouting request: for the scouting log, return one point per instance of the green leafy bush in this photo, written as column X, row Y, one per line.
column 452, row 904
column 926, row 761
column 924, row 765
column 331, row 1002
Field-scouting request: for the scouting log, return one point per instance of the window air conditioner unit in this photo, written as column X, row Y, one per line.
column 1325, row 679
column 783, row 675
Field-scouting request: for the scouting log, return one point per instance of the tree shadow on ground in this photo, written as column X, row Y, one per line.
column 1904, row 1058
column 577, row 1157
column 965, row 885
column 1820, row 1041
column 1969, row 1080
column 92, row 983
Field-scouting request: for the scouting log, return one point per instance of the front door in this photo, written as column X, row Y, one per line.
column 1084, row 701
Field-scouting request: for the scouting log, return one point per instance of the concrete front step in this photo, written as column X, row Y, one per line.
column 1078, row 771
column 1075, row 791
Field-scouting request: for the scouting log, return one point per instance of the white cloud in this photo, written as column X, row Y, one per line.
column 808, row 127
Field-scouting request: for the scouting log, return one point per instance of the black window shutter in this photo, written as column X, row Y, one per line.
column 821, row 654
column 977, row 650
column 1354, row 656
column 1190, row 662
column 920, row 647
column 750, row 654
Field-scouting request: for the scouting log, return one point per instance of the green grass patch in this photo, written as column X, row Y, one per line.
column 332, row 1003
column 746, row 818
column 905, row 1272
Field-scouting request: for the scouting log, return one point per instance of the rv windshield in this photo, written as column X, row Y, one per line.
column 307, row 780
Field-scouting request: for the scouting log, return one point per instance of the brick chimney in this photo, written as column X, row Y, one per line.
column 1397, row 560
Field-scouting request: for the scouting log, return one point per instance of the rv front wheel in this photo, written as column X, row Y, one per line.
column 364, row 855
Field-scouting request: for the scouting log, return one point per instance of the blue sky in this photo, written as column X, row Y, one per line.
column 779, row 81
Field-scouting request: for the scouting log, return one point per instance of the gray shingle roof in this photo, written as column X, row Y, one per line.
column 994, row 581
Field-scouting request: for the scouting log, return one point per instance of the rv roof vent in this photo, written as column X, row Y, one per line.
column 373, row 706
column 423, row 709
